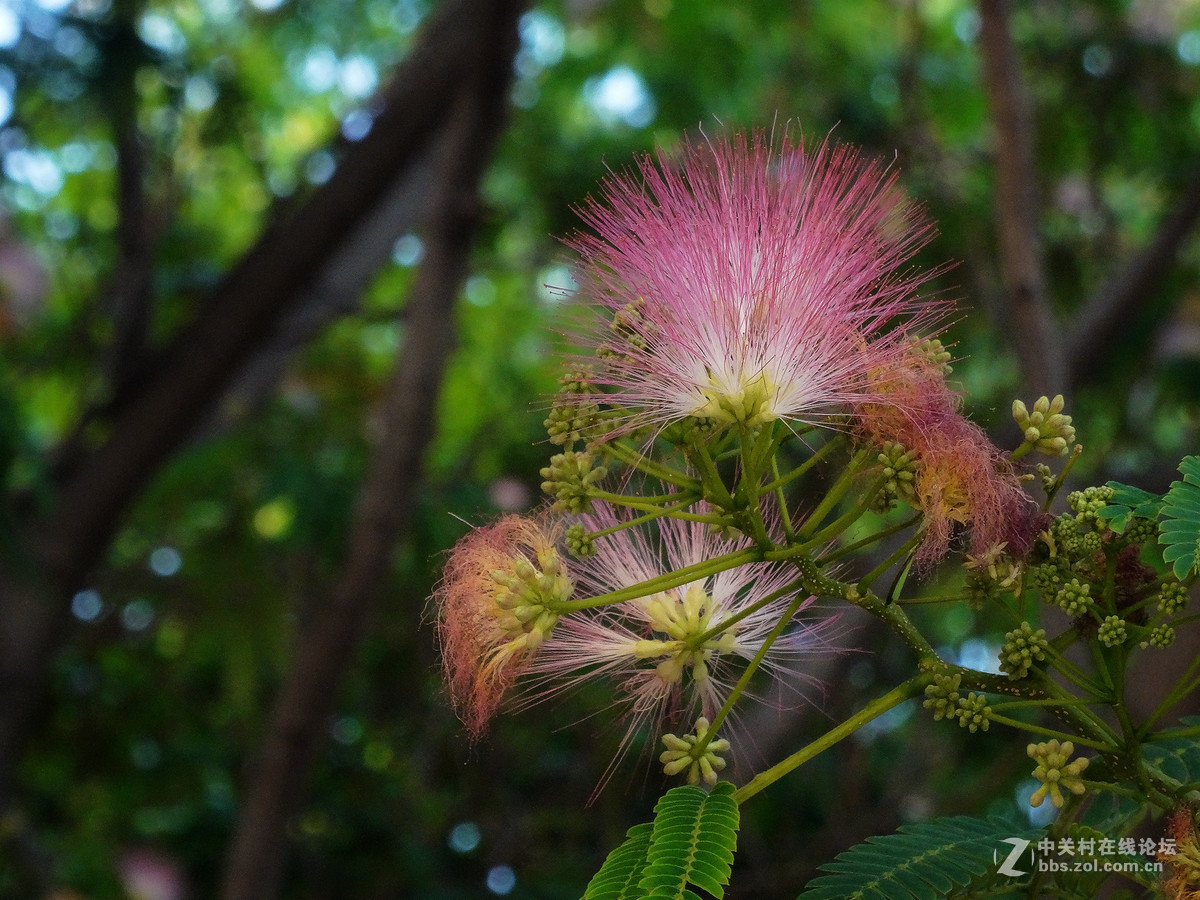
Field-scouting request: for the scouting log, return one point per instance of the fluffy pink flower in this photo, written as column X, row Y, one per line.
column 962, row 477
column 492, row 611
column 647, row 646
column 745, row 283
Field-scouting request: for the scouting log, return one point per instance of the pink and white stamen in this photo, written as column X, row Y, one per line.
column 744, row 282
column 649, row 647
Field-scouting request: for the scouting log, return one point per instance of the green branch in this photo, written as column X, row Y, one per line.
column 873, row 710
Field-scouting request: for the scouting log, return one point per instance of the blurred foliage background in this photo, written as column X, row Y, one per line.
column 136, row 759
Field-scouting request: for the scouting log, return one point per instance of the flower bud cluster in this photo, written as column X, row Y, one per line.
column 568, row 479
column 942, row 696
column 1074, row 597
column 1055, row 772
column 1022, row 648
column 628, row 326
column 900, row 471
column 936, row 353
column 1140, row 531
column 680, row 755
column 1088, row 502
column 1160, row 636
column 523, row 591
column 973, row 712
column 1172, row 597
column 573, row 418
column 579, row 542
column 1047, row 429
column 569, row 422
column 1112, row 632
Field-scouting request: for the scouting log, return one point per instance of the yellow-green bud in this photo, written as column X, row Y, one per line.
column 1054, row 772
column 682, row 754
column 1047, row 429
column 1112, row 631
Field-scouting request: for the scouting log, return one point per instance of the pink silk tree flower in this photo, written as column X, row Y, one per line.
column 742, row 283
column 961, row 476
column 650, row 647
column 493, row 610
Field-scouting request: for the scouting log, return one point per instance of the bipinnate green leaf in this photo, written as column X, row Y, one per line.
column 1179, row 533
column 695, row 834
column 619, row 876
column 1175, row 757
column 1129, row 502
column 690, row 842
column 944, row 858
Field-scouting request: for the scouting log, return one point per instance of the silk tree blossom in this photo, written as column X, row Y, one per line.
column 748, row 283
column 655, row 648
column 494, row 610
column 961, row 477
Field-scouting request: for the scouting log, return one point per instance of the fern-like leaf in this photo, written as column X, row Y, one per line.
column 921, row 862
column 1129, row 502
column 1176, row 757
column 695, row 834
column 618, row 877
column 1179, row 533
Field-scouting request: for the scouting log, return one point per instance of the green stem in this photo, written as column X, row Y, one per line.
column 1062, row 477
column 827, row 448
column 641, row 520
column 1189, row 731
column 903, row 550
column 631, row 457
column 1073, row 673
column 939, row 598
column 785, row 516
column 1020, row 451
column 712, row 484
column 1050, row 732
column 634, row 503
column 1173, row 696
column 871, row 538
column 835, row 493
column 873, row 710
column 701, row 745
column 1048, row 701
column 844, row 521
column 686, row 575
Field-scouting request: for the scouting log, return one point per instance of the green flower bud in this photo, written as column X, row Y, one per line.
column 1172, row 597
column 1112, row 631
column 1160, row 636
column 973, row 712
column 1088, row 502
column 579, row 542
column 935, row 352
column 1022, row 648
column 1054, row 772
column 1047, row 429
column 568, row 479
column 1140, row 531
column 942, row 696
column 1074, row 598
column 681, row 755
column 900, row 471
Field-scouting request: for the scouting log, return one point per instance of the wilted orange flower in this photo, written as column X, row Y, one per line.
column 962, row 477
column 494, row 609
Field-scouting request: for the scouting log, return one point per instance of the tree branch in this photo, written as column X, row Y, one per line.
column 65, row 538
column 1031, row 318
column 281, row 770
column 131, row 287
